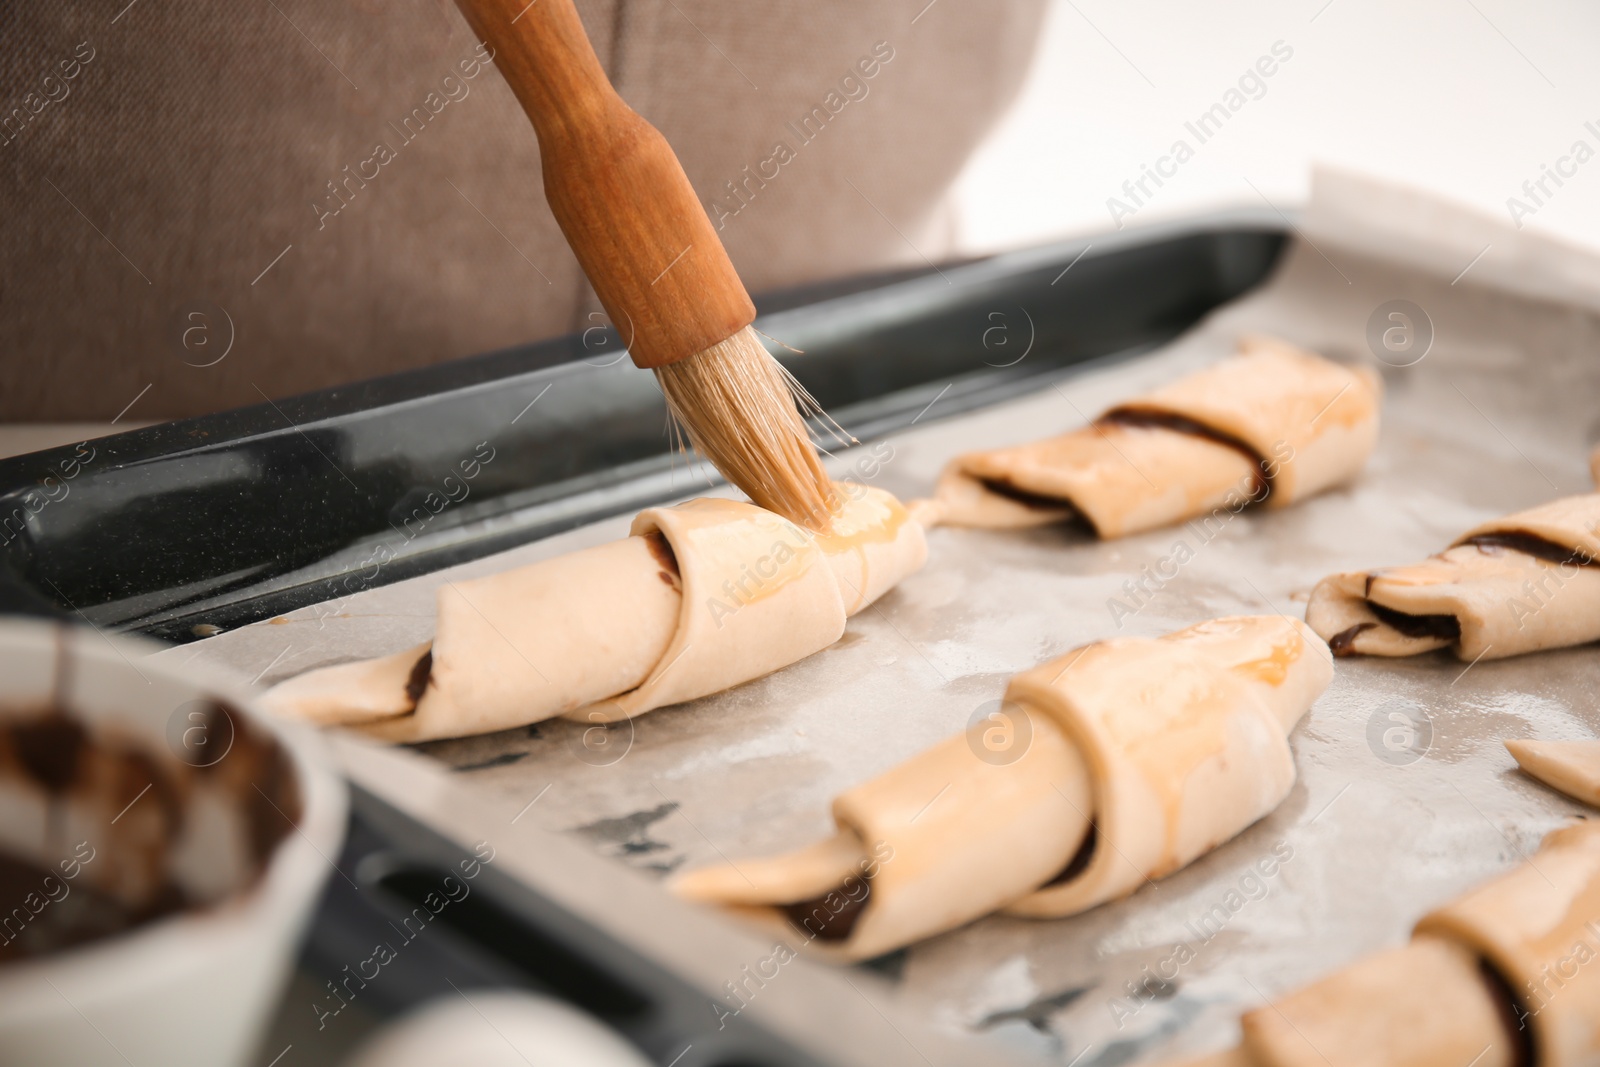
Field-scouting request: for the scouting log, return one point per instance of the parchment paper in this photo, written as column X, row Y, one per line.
column 1498, row 416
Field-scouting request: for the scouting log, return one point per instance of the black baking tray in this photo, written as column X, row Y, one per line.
column 187, row 528
column 183, row 529
column 500, row 935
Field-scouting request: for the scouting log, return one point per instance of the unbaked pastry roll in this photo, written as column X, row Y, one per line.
column 1502, row 976
column 701, row 597
column 1127, row 759
column 1518, row 584
column 1272, row 424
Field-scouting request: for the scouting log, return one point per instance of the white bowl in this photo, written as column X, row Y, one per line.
column 496, row 1028
column 196, row 986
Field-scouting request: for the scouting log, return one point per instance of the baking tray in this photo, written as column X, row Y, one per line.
column 1497, row 416
column 536, row 911
column 191, row 528
column 186, row 528
column 494, row 933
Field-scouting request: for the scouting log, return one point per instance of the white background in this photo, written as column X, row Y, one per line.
column 1464, row 98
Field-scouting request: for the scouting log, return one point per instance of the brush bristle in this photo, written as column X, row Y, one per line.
column 743, row 411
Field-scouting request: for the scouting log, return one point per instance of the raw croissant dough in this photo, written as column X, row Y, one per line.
column 1502, row 976
column 1517, row 584
column 1272, row 423
column 703, row 596
column 1137, row 756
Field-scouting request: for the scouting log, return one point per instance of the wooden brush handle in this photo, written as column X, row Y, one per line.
column 615, row 186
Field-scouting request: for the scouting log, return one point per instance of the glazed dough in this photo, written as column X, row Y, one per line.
column 1272, row 424
column 1140, row 755
column 1423, row 1005
column 1186, row 738
column 701, row 597
column 937, row 842
column 1514, row 953
column 1529, row 924
column 1573, row 767
column 1517, row 584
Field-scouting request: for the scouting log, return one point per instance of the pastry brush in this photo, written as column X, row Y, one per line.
column 653, row 257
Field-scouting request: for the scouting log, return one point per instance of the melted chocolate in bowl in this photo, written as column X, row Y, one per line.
column 104, row 829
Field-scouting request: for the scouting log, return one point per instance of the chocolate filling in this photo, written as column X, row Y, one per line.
column 1340, row 643
column 817, row 918
column 1533, row 545
column 1261, row 474
column 417, row 682
column 1080, row 859
column 1166, row 420
column 1036, row 501
column 661, row 549
column 1446, row 626
column 1513, row 1015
